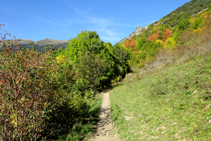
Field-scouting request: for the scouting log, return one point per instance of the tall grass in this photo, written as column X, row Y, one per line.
column 173, row 103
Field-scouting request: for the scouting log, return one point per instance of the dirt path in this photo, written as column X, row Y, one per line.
column 105, row 129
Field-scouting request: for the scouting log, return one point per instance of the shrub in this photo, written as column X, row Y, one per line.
column 184, row 24
column 131, row 44
column 121, row 56
column 142, row 55
column 199, row 30
column 153, row 48
column 92, row 71
column 166, row 35
column 170, row 43
column 160, row 35
column 34, row 94
column 197, row 22
column 159, row 43
column 154, row 37
column 24, row 92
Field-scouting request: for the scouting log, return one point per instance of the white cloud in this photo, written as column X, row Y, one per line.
column 105, row 28
column 109, row 35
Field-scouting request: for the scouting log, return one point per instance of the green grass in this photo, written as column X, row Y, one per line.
column 85, row 130
column 171, row 104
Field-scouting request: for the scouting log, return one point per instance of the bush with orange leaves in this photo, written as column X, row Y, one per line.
column 131, row 44
column 166, row 35
column 154, row 37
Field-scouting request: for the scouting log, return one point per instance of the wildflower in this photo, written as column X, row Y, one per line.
column 13, row 122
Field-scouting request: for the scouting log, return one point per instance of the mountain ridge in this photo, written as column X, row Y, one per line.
column 41, row 44
column 138, row 31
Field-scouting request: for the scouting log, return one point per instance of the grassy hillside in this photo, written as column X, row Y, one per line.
column 169, row 97
column 170, row 104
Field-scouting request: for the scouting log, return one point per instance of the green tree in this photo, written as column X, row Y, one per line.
column 141, row 43
column 182, row 25
column 198, row 22
column 92, row 69
column 96, row 63
column 85, row 41
column 121, row 56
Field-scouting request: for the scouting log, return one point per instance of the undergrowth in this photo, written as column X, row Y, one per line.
column 170, row 104
column 84, row 131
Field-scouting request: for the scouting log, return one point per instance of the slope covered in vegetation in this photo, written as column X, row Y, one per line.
column 189, row 9
column 169, row 104
column 166, row 33
column 169, row 97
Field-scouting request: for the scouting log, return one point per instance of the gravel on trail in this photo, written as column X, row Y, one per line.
column 105, row 130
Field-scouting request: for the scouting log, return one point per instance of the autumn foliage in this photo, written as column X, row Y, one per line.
column 154, row 37
column 30, row 94
column 131, row 44
column 24, row 91
column 166, row 35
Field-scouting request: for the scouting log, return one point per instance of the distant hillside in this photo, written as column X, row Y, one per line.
column 168, row 33
column 192, row 8
column 41, row 44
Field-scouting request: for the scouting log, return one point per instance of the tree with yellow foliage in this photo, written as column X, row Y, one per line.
column 170, row 43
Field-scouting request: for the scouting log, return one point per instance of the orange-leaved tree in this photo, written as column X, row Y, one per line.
column 166, row 35
column 154, row 37
column 131, row 44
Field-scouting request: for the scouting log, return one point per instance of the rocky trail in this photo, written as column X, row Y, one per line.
column 105, row 130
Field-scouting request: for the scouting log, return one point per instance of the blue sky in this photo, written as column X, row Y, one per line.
column 113, row 20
